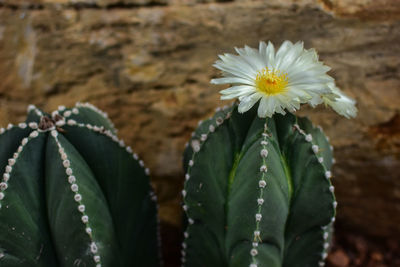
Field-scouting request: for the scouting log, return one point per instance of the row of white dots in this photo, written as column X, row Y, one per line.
column 10, row 126
column 11, row 162
column 196, row 146
column 22, row 125
column 97, row 110
column 316, row 150
column 78, row 198
column 67, row 113
column 260, row 200
column 153, row 197
column 35, row 109
column 326, row 244
column 328, row 175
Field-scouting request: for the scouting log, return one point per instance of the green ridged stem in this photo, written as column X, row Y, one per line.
column 72, row 194
column 257, row 192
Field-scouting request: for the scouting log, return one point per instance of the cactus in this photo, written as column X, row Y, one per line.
column 73, row 194
column 257, row 192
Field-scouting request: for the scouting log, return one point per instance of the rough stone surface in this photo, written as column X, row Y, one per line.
column 364, row 9
column 148, row 64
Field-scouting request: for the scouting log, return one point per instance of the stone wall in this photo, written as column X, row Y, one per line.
column 148, row 64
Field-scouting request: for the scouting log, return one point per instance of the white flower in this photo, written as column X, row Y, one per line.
column 340, row 102
column 282, row 80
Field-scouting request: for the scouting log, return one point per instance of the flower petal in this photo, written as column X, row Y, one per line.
column 231, row 80
column 248, row 102
column 237, row 91
column 343, row 104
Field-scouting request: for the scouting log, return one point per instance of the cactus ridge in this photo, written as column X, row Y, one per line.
column 260, row 200
column 206, row 128
column 257, row 207
column 78, row 198
column 7, row 175
column 121, row 143
column 100, row 241
column 80, row 105
column 153, row 197
column 323, row 151
column 88, row 114
column 35, row 110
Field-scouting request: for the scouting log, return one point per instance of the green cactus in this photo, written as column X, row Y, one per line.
column 73, row 194
column 257, row 192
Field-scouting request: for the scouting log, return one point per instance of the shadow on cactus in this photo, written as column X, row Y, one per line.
column 72, row 194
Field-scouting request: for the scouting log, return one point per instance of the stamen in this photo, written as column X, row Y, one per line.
column 271, row 82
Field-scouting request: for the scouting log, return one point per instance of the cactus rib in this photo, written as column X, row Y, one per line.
column 260, row 200
column 112, row 137
column 9, row 127
column 87, row 106
column 121, row 143
column 37, row 111
column 206, row 128
column 11, row 162
column 318, row 147
column 78, row 198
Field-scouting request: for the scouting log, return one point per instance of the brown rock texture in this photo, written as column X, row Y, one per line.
column 364, row 9
column 148, row 64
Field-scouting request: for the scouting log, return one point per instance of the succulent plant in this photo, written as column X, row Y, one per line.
column 257, row 192
column 72, row 194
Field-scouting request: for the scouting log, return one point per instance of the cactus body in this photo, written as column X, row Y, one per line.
column 72, row 194
column 257, row 192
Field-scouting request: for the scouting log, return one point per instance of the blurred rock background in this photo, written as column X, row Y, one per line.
column 148, row 64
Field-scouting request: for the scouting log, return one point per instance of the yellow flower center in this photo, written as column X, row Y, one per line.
column 271, row 82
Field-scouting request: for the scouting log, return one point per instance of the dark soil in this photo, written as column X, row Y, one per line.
column 350, row 249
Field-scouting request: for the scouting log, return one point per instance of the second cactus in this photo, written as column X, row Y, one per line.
column 73, row 194
column 257, row 192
